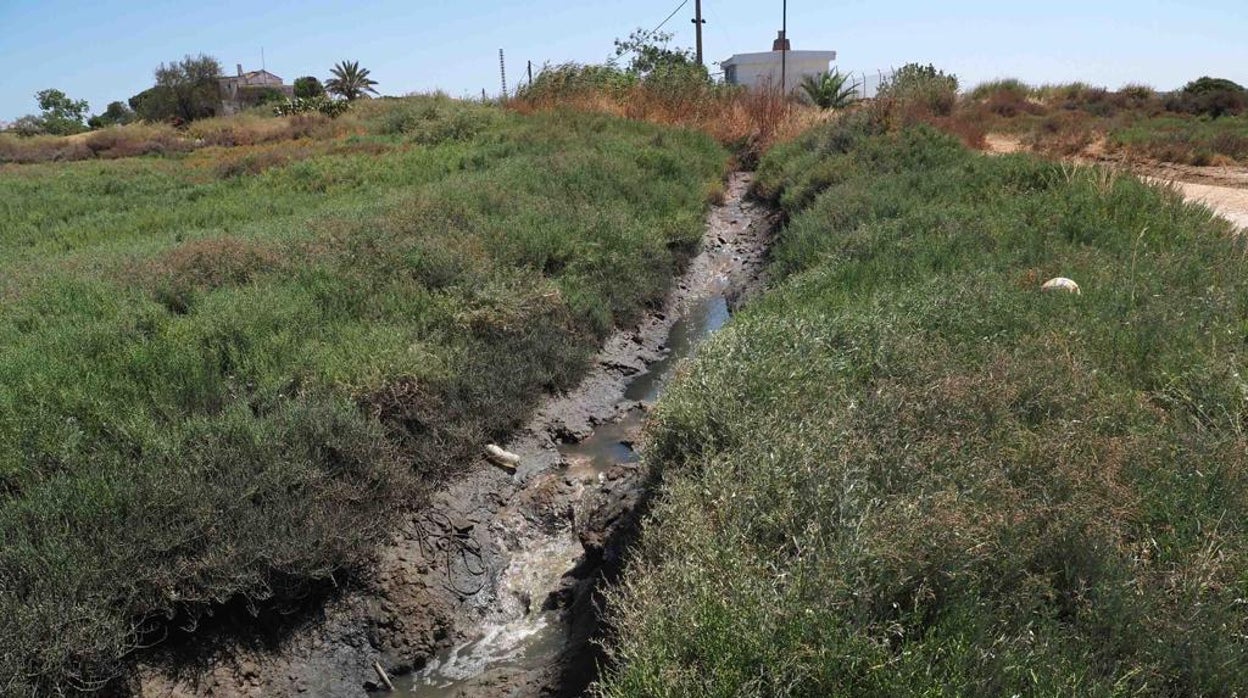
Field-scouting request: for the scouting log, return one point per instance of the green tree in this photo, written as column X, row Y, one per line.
column 190, row 88
column 1212, row 96
column 350, row 81
column 153, row 104
column 308, row 87
column 61, row 115
column 830, row 90
column 116, row 114
column 648, row 52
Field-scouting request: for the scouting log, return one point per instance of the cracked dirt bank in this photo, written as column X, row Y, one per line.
column 490, row 587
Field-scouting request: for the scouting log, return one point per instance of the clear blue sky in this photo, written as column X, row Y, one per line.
column 105, row 50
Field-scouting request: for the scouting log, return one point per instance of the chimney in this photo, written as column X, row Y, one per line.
column 781, row 43
column 240, row 69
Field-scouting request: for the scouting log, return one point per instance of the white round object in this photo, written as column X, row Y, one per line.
column 1061, row 283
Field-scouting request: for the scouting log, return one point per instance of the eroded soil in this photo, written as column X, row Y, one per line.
column 448, row 572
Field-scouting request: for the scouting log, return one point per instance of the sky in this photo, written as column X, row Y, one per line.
column 106, row 50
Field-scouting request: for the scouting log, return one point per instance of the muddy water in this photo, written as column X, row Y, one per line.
column 523, row 633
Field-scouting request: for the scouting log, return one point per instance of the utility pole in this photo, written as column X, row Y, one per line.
column 530, row 73
column 784, row 49
column 502, row 71
column 698, row 22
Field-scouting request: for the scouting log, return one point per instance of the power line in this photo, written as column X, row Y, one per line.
column 669, row 18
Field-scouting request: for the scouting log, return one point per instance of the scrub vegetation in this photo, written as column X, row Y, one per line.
column 905, row 470
column 220, row 370
column 1204, row 123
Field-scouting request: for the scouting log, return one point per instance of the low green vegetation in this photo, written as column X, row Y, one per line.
column 1170, row 138
column 221, row 371
column 906, row 470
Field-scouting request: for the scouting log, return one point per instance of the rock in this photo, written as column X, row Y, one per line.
column 1061, row 283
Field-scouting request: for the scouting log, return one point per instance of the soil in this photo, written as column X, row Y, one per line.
column 442, row 573
column 1224, row 189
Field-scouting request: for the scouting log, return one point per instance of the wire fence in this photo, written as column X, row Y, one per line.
column 866, row 83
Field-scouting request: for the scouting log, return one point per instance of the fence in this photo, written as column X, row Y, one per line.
column 867, row 83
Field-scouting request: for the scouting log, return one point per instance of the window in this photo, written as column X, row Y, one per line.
column 730, row 74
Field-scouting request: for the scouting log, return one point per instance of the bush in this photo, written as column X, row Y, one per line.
column 921, row 88
column 1007, row 98
column 1213, row 97
column 333, row 108
column 430, row 120
column 907, row 471
column 308, row 87
column 559, row 83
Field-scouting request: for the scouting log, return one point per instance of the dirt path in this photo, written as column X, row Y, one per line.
column 1228, row 202
column 1224, row 190
column 464, row 560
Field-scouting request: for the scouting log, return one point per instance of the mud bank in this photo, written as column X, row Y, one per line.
column 490, row 588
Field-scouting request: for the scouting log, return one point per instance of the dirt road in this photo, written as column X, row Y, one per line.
column 1229, row 202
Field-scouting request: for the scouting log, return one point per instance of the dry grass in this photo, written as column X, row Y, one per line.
column 749, row 122
column 143, row 138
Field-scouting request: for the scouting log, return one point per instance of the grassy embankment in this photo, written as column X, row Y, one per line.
column 907, row 471
column 221, row 371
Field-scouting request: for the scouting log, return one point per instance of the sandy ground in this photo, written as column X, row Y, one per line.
column 1223, row 189
column 1229, row 202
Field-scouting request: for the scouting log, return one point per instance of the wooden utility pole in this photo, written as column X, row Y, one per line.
column 784, row 49
column 697, row 23
column 530, row 73
column 502, row 71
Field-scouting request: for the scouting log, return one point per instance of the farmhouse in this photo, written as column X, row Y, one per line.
column 245, row 89
column 763, row 69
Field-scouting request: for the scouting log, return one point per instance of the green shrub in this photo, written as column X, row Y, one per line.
column 905, row 470
column 333, row 108
column 1212, row 97
column 560, row 82
column 430, row 120
column 921, row 87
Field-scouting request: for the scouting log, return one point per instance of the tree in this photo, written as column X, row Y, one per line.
column 649, row 52
column 154, row 104
column 829, row 90
column 116, row 114
column 61, row 115
column 308, row 87
column 350, row 81
column 1212, row 96
column 29, row 125
column 187, row 89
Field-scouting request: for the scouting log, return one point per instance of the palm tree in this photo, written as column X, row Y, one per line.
column 350, row 81
column 829, row 90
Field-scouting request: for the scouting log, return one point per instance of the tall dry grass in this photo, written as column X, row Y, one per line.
column 749, row 122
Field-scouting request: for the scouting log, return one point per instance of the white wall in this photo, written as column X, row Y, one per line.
column 761, row 69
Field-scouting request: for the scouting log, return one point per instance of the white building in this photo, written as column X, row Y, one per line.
column 763, row 69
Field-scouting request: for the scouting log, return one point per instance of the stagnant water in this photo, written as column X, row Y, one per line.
column 518, row 634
